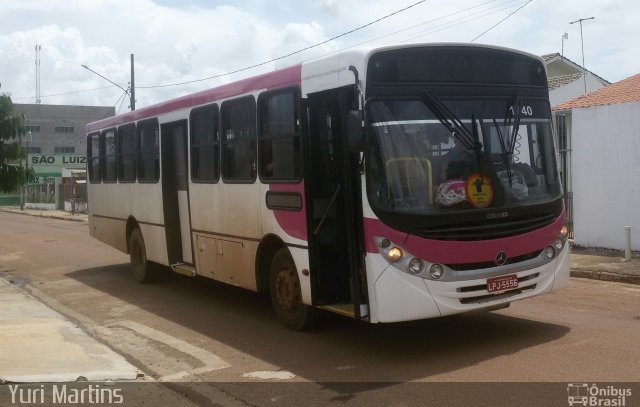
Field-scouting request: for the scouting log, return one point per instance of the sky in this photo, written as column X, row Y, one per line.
column 180, row 41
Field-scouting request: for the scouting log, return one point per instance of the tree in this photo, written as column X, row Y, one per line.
column 12, row 128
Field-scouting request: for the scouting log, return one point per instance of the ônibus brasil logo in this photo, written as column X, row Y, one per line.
column 583, row 394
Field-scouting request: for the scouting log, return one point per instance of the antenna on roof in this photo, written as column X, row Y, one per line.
column 584, row 69
column 565, row 36
column 38, row 99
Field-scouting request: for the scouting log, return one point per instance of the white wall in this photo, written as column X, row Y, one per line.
column 606, row 175
column 574, row 89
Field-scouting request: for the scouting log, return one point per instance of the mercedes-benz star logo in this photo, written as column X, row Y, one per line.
column 501, row 259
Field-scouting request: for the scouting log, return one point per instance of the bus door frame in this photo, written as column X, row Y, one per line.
column 348, row 196
column 175, row 191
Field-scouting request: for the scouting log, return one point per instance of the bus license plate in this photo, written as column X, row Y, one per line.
column 502, row 283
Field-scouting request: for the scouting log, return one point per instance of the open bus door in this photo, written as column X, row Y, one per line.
column 334, row 212
column 175, row 196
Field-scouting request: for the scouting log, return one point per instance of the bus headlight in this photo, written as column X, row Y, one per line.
column 409, row 263
column 436, row 271
column 558, row 244
column 550, row 252
column 415, row 265
column 394, row 254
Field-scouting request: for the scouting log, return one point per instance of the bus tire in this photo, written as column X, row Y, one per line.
column 286, row 293
column 141, row 268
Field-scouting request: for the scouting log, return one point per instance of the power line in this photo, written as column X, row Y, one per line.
column 410, row 28
column 445, row 26
column 472, row 17
column 290, row 54
column 496, row 24
column 66, row 93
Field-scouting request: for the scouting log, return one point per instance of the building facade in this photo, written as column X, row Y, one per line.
column 59, row 129
column 55, row 143
column 604, row 167
column 567, row 80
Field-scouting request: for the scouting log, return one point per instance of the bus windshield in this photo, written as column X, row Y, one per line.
column 437, row 155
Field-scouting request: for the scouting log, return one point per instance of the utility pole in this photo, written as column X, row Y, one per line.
column 584, row 69
column 38, row 98
column 133, row 87
column 113, row 83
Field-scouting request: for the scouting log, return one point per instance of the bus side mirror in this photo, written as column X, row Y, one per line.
column 355, row 132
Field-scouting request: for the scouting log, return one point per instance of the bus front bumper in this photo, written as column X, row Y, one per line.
column 401, row 297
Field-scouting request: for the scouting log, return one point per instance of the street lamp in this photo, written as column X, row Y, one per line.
column 584, row 69
column 132, row 94
column 25, row 189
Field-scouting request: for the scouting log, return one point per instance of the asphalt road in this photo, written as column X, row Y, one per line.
column 213, row 337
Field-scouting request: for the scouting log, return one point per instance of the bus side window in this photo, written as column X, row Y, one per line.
column 126, row 151
column 279, row 135
column 148, row 151
column 93, row 152
column 108, row 156
column 238, row 119
column 205, row 144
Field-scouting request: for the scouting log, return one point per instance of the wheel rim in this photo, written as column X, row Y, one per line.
column 287, row 288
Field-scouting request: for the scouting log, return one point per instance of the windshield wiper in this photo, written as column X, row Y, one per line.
column 469, row 139
column 515, row 116
column 508, row 149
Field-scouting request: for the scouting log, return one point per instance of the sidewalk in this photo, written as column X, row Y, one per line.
column 79, row 217
column 40, row 345
column 597, row 265
column 606, row 268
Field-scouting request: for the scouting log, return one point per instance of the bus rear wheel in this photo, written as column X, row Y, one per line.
column 142, row 269
column 286, row 293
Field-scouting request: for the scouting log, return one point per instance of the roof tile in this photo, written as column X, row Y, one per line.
column 558, row 81
column 625, row 91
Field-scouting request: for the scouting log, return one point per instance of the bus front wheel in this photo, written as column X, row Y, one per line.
column 142, row 269
column 286, row 294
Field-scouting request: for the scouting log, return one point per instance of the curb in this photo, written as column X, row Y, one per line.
column 40, row 215
column 606, row 276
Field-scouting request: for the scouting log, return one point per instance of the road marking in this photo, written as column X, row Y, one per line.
column 270, row 375
column 208, row 361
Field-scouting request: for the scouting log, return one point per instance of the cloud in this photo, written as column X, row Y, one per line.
column 178, row 41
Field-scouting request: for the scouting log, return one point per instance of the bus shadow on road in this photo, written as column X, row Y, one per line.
column 339, row 350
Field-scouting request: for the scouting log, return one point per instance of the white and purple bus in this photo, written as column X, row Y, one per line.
column 386, row 184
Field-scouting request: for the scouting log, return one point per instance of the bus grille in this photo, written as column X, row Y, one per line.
column 484, row 230
column 492, row 297
column 490, row 264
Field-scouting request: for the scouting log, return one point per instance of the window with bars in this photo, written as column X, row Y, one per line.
column 64, row 150
column 64, row 129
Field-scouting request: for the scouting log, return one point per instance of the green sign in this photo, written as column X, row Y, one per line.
column 57, row 160
column 49, row 167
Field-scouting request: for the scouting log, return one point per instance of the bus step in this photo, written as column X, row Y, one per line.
column 342, row 309
column 184, row 269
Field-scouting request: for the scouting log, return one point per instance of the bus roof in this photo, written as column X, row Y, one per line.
column 290, row 76
column 284, row 77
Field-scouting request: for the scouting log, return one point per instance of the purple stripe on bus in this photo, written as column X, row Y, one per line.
column 294, row 223
column 458, row 252
column 282, row 78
